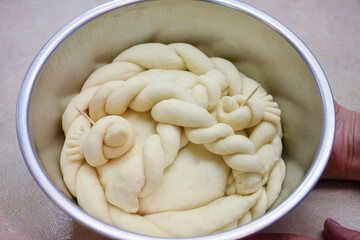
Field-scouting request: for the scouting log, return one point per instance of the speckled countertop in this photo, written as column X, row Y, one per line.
column 330, row 29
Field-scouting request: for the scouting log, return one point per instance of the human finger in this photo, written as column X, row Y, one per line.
column 334, row 231
column 344, row 162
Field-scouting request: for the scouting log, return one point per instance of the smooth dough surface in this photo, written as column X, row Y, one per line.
column 196, row 177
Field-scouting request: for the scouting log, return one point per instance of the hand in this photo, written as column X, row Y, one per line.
column 344, row 162
column 332, row 231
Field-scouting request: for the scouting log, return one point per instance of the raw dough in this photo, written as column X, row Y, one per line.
column 177, row 149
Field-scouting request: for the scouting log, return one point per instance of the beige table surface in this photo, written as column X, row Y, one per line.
column 331, row 29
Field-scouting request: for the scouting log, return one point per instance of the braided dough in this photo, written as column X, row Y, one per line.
column 173, row 152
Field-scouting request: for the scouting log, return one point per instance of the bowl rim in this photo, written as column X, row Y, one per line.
column 73, row 210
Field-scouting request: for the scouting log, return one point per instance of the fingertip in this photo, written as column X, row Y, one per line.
column 331, row 229
column 330, row 221
column 334, row 231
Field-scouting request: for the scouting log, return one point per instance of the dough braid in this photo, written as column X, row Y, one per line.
column 118, row 164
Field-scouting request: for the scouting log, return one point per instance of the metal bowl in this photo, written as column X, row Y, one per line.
column 257, row 44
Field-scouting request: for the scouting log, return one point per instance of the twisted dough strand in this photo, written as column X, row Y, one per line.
column 193, row 98
column 110, row 72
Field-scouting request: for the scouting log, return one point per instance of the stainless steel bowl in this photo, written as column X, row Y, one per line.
column 260, row 47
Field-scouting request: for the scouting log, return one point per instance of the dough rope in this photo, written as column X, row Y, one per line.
column 154, row 103
column 109, row 138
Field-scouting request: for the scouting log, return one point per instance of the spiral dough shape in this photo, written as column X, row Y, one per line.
column 178, row 148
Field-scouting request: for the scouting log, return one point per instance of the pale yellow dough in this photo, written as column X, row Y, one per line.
column 175, row 151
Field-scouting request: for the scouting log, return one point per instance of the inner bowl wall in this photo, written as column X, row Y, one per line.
column 256, row 49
